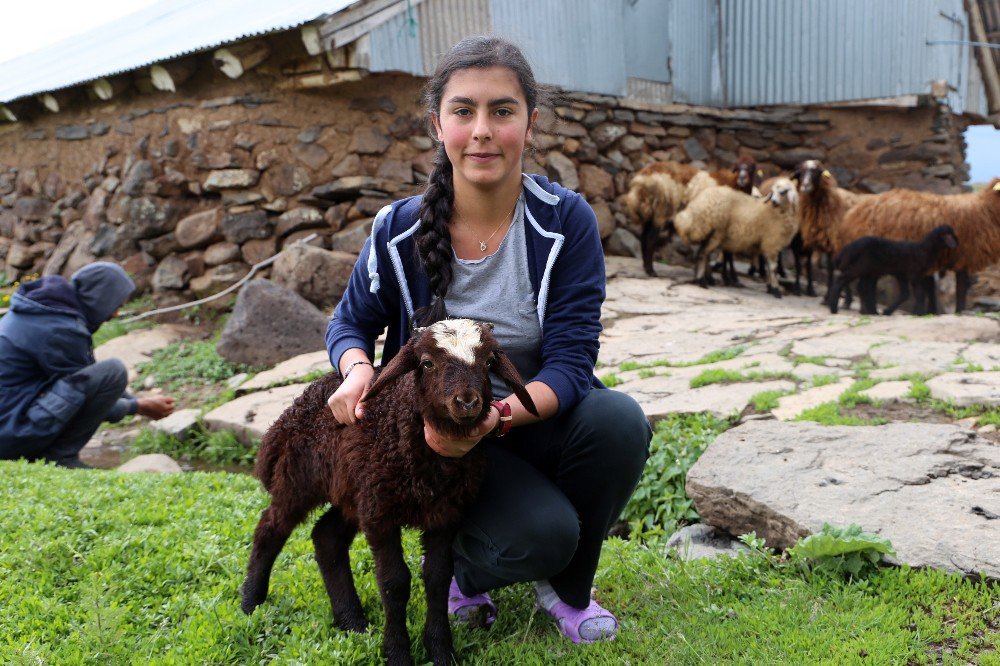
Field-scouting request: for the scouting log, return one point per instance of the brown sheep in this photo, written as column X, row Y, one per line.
column 379, row 475
column 822, row 207
column 660, row 190
column 910, row 215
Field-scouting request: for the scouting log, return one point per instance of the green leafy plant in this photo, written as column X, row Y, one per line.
column 721, row 376
column 182, row 362
column 830, row 413
column 610, row 380
column 660, row 502
column 823, row 380
column 221, row 448
column 646, row 373
column 843, row 552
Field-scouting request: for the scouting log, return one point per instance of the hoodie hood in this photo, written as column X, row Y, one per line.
column 50, row 293
column 101, row 288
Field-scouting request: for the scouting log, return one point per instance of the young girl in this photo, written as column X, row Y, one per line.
column 487, row 242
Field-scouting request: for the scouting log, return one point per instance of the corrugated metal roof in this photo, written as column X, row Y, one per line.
column 168, row 29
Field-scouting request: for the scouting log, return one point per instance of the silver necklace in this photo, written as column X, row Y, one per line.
column 484, row 244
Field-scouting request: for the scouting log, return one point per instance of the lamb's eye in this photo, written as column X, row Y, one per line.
column 427, row 364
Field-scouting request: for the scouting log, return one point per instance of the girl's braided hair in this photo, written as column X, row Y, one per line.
column 433, row 238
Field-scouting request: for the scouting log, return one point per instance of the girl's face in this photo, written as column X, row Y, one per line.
column 484, row 124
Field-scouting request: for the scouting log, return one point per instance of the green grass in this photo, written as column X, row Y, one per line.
column 610, row 380
column 660, row 502
column 712, row 357
column 646, row 373
column 831, row 413
column 766, row 401
column 852, row 396
column 721, row 376
column 187, row 362
column 823, row 380
column 815, row 360
column 107, row 568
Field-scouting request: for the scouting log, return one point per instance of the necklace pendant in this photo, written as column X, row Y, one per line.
column 482, row 246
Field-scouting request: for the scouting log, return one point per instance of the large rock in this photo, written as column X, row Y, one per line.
column 288, row 371
column 155, row 463
column 199, row 229
column 933, row 490
column 320, row 276
column 249, row 417
column 270, row 324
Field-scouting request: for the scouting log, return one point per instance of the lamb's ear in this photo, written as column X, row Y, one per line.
column 403, row 362
column 506, row 370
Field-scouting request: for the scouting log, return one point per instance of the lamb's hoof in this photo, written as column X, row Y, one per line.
column 774, row 292
column 811, row 292
column 250, row 602
column 356, row 623
column 650, row 272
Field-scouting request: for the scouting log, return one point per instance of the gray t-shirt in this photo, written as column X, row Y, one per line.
column 497, row 289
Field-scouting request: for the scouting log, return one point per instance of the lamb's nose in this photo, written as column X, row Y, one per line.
column 468, row 405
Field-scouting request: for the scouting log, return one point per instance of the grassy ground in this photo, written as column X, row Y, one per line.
column 116, row 569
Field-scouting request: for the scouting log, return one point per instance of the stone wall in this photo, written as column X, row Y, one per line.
column 188, row 190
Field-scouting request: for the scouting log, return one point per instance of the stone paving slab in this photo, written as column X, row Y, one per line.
column 985, row 355
column 967, row 388
column 845, row 344
column 791, row 406
column 722, row 400
column 286, row 371
column 887, row 391
column 942, row 328
column 137, row 347
column 918, row 356
column 251, row 415
column 179, row 424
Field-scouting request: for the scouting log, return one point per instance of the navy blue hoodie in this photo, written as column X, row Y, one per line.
column 46, row 337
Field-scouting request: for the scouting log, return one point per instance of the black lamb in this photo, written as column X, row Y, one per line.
column 910, row 262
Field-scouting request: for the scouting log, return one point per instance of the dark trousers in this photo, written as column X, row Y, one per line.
column 103, row 384
column 552, row 491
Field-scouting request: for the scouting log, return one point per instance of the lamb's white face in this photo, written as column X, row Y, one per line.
column 458, row 337
column 783, row 193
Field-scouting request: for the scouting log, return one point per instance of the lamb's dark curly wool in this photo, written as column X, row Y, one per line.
column 379, row 475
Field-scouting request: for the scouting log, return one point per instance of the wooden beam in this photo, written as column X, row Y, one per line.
column 170, row 75
column 346, row 26
column 311, row 39
column 58, row 100
column 106, row 88
column 988, row 66
column 356, row 55
column 302, row 66
column 322, row 79
column 233, row 61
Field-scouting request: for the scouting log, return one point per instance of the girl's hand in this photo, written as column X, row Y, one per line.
column 346, row 402
column 458, row 447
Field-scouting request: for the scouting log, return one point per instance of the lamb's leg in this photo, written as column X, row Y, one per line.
column 920, row 296
column 438, row 568
column 394, row 587
column 962, row 284
column 275, row 525
column 810, row 289
column 332, row 537
column 648, row 242
column 781, row 267
column 729, row 274
column 904, row 293
column 707, row 248
column 867, row 291
column 834, row 301
column 772, row 277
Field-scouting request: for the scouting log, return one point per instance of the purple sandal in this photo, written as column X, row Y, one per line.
column 475, row 611
column 593, row 623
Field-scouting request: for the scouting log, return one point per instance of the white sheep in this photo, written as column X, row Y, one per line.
column 720, row 218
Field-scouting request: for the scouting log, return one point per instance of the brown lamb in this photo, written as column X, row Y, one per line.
column 910, row 215
column 379, row 475
column 660, row 190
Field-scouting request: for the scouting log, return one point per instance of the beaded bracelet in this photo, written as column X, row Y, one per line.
column 351, row 367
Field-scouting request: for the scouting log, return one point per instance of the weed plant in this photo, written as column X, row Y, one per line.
column 188, row 361
column 221, row 448
column 660, row 503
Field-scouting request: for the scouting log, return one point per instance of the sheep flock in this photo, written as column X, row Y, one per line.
column 806, row 211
